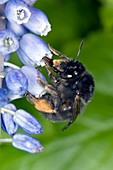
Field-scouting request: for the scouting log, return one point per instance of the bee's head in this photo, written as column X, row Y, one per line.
column 71, row 69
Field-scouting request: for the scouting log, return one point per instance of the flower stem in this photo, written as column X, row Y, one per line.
column 3, row 109
column 5, row 140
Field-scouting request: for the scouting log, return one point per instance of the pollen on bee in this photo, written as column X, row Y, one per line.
column 43, row 106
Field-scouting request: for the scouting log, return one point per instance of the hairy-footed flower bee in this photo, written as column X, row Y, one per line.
column 70, row 89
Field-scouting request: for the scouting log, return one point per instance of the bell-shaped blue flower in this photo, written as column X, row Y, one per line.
column 33, row 53
column 38, row 22
column 24, row 58
column 16, row 82
column 34, row 87
column 17, row 11
column 3, row 97
column 7, row 68
column 8, row 42
column 27, row 122
column 7, row 122
column 26, row 143
column 19, row 30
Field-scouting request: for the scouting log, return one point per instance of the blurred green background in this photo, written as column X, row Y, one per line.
column 88, row 143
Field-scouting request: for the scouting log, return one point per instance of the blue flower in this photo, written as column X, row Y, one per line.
column 16, row 82
column 34, row 87
column 19, row 30
column 24, row 58
column 12, row 93
column 17, row 11
column 3, row 97
column 18, row 18
column 38, row 22
column 8, row 42
column 33, row 53
column 12, row 118
column 7, row 122
column 26, row 143
column 27, row 122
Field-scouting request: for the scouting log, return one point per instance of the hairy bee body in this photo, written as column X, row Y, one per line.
column 68, row 92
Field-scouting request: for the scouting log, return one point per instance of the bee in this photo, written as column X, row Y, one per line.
column 69, row 90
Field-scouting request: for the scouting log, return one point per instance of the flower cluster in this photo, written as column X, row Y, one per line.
column 20, row 28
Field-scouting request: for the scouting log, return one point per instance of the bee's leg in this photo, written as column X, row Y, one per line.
column 56, row 52
column 50, row 63
column 40, row 104
column 76, row 112
column 52, row 78
column 50, row 89
column 30, row 97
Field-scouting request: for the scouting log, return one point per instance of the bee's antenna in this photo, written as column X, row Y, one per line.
column 79, row 50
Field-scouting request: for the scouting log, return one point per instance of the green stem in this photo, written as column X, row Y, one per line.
column 3, row 109
column 5, row 140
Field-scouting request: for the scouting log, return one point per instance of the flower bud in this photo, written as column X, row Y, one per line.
column 38, row 22
column 24, row 58
column 7, row 68
column 16, row 82
column 27, row 122
column 33, row 53
column 34, row 87
column 17, row 11
column 19, row 30
column 8, row 42
column 8, row 124
column 26, row 143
